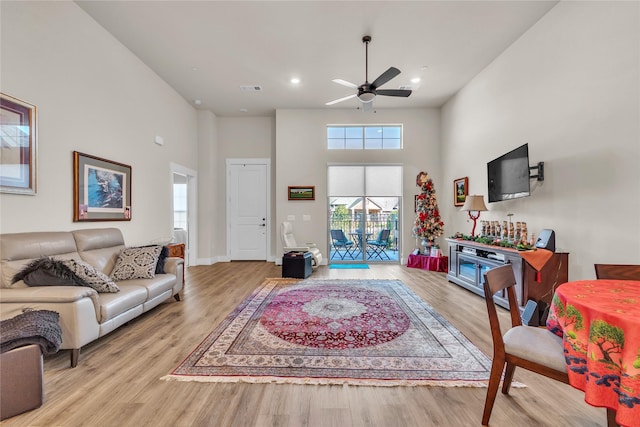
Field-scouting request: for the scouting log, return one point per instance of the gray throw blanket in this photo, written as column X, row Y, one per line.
column 40, row 327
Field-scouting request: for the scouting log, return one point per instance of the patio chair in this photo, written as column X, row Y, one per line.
column 339, row 241
column 379, row 246
column 535, row 349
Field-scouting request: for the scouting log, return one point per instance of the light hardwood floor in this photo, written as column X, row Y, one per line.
column 117, row 381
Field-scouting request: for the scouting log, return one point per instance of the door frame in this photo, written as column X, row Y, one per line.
column 400, row 240
column 192, row 208
column 249, row 161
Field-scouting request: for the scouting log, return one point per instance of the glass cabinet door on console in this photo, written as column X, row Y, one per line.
column 467, row 269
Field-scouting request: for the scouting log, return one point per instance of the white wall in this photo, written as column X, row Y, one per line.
column 93, row 96
column 240, row 137
column 208, row 196
column 302, row 158
column 570, row 88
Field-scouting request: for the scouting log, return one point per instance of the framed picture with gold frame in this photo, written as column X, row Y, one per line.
column 101, row 189
column 460, row 191
column 18, row 146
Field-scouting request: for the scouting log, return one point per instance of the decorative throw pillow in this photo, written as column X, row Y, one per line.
column 164, row 253
column 47, row 271
column 92, row 277
column 136, row 263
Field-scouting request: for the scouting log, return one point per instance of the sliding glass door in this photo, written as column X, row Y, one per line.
column 364, row 203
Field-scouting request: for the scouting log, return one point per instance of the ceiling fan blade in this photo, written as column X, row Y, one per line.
column 345, row 83
column 385, row 77
column 394, row 92
column 335, row 101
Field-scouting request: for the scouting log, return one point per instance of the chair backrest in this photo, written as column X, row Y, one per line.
column 286, row 234
column 496, row 280
column 383, row 236
column 338, row 235
column 618, row 271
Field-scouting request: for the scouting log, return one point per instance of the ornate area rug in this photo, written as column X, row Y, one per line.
column 360, row 332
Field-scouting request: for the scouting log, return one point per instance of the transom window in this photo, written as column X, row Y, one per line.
column 376, row 137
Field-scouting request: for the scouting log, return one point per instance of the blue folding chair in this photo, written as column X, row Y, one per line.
column 379, row 245
column 339, row 241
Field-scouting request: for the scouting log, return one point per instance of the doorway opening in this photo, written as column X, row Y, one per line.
column 364, row 218
column 184, row 202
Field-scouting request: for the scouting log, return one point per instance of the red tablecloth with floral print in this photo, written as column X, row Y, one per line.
column 431, row 263
column 599, row 321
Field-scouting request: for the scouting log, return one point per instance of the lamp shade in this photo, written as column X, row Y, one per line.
column 474, row 203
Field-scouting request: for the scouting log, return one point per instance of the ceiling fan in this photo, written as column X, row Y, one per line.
column 368, row 91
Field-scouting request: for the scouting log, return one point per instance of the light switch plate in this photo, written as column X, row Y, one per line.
column 291, row 217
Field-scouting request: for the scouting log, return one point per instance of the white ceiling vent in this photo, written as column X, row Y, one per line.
column 251, row 88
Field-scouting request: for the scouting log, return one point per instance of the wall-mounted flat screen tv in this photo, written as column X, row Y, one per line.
column 508, row 175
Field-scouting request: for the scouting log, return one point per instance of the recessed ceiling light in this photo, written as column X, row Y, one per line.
column 194, row 69
column 415, row 80
column 243, row 110
column 295, row 80
column 197, row 101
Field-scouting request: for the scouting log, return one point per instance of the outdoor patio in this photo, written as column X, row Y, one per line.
column 373, row 231
column 388, row 255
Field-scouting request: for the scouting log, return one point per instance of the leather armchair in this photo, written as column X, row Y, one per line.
column 289, row 244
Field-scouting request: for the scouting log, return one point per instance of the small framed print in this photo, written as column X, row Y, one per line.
column 101, row 189
column 302, row 193
column 460, row 191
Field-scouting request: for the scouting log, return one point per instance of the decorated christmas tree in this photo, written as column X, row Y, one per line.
column 428, row 224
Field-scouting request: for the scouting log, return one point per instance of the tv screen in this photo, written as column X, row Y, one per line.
column 508, row 175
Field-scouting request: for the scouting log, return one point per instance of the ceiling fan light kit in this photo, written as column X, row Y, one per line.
column 366, row 96
column 368, row 91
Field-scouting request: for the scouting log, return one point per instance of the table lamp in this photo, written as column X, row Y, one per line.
column 474, row 204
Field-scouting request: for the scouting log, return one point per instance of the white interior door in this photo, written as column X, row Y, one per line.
column 248, row 220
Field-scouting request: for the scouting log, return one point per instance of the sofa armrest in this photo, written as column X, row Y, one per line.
column 78, row 307
column 175, row 266
column 44, row 294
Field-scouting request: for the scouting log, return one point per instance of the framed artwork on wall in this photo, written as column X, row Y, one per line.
column 302, row 193
column 101, row 189
column 18, row 146
column 460, row 191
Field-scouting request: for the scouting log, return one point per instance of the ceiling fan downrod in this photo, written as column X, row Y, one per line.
column 366, row 40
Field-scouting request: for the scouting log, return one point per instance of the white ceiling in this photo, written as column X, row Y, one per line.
column 207, row 49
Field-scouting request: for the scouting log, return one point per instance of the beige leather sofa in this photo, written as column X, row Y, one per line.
column 85, row 315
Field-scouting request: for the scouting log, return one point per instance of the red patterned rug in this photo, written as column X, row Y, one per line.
column 361, row 332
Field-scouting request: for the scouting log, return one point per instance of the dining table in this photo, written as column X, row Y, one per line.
column 599, row 322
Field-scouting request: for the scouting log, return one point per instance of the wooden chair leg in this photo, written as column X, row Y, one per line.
column 492, row 389
column 611, row 418
column 508, row 377
column 177, row 296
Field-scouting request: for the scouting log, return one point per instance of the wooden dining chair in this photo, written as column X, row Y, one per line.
column 535, row 349
column 618, row 271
